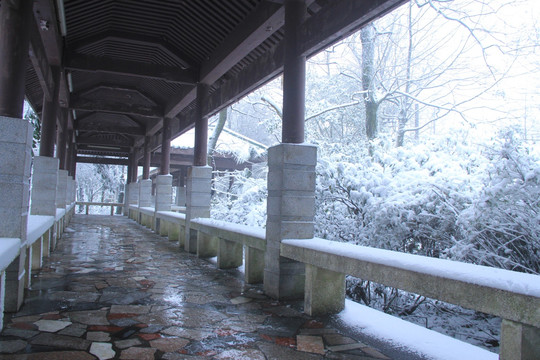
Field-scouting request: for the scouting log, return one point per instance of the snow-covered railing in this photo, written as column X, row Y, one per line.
column 227, row 241
column 87, row 204
column 515, row 297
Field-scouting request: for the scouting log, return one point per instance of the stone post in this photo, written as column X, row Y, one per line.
column 519, row 341
column 197, row 201
column 126, row 200
column 163, row 200
column 145, row 193
column 145, row 200
column 290, row 213
column 61, row 189
column 44, row 183
column 15, row 147
column 131, row 198
column 181, row 196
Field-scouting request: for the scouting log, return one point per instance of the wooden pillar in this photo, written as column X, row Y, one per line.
column 201, row 128
column 133, row 163
column 73, row 160
column 165, row 147
column 294, row 75
column 129, row 168
column 182, row 176
column 62, row 139
column 15, row 15
column 146, row 161
column 48, row 118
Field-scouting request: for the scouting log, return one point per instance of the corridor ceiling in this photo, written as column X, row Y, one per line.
column 127, row 64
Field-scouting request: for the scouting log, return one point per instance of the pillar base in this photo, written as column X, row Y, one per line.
column 44, row 184
column 290, row 209
column 197, row 201
column 145, row 193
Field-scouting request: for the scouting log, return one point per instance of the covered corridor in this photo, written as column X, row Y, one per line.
column 113, row 289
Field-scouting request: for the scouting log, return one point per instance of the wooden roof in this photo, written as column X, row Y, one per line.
column 127, row 64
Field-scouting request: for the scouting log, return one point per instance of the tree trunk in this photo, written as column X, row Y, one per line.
column 215, row 135
column 367, row 35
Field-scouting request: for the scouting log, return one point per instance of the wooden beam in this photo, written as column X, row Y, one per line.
column 101, row 86
column 88, row 63
column 325, row 28
column 137, row 40
column 270, row 65
column 116, row 143
column 93, row 127
column 79, row 103
column 101, row 160
column 266, row 19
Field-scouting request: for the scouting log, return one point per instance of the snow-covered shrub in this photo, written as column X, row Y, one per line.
column 501, row 228
column 405, row 199
column 240, row 198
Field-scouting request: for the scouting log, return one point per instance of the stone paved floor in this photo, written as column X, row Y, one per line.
column 114, row 290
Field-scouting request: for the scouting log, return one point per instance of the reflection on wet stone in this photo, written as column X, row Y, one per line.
column 116, row 290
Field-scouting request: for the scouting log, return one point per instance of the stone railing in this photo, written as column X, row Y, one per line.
column 87, row 204
column 515, row 297
column 228, row 241
column 18, row 260
column 512, row 296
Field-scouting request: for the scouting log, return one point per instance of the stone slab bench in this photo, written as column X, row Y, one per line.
column 171, row 224
column 229, row 242
column 10, row 249
column 513, row 296
column 40, row 231
column 146, row 216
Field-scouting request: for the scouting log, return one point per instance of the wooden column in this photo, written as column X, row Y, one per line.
column 165, row 147
column 133, row 163
column 130, row 168
column 294, row 75
column 48, row 118
column 201, row 128
column 146, row 160
column 62, row 139
column 73, row 160
column 15, row 15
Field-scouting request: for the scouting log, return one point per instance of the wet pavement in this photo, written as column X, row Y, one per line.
column 115, row 290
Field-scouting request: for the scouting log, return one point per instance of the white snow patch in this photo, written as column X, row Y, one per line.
column 60, row 213
column 409, row 336
column 252, row 231
column 9, row 249
column 37, row 225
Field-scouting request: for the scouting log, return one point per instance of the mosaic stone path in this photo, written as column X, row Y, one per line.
column 115, row 290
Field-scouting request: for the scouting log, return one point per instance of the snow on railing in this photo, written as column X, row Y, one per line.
column 513, row 296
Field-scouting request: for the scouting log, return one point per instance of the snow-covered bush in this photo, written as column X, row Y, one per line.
column 405, row 199
column 501, row 228
column 240, row 198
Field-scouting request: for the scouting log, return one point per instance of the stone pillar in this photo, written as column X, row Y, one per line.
column 61, row 190
column 163, row 193
column 181, row 196
column 44, row 183
column 290, row 212
column 15, row 147
column 197, row 201
column 127, row 199
column 145, row 193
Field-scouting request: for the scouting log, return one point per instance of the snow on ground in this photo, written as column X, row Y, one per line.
column 408, row 336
